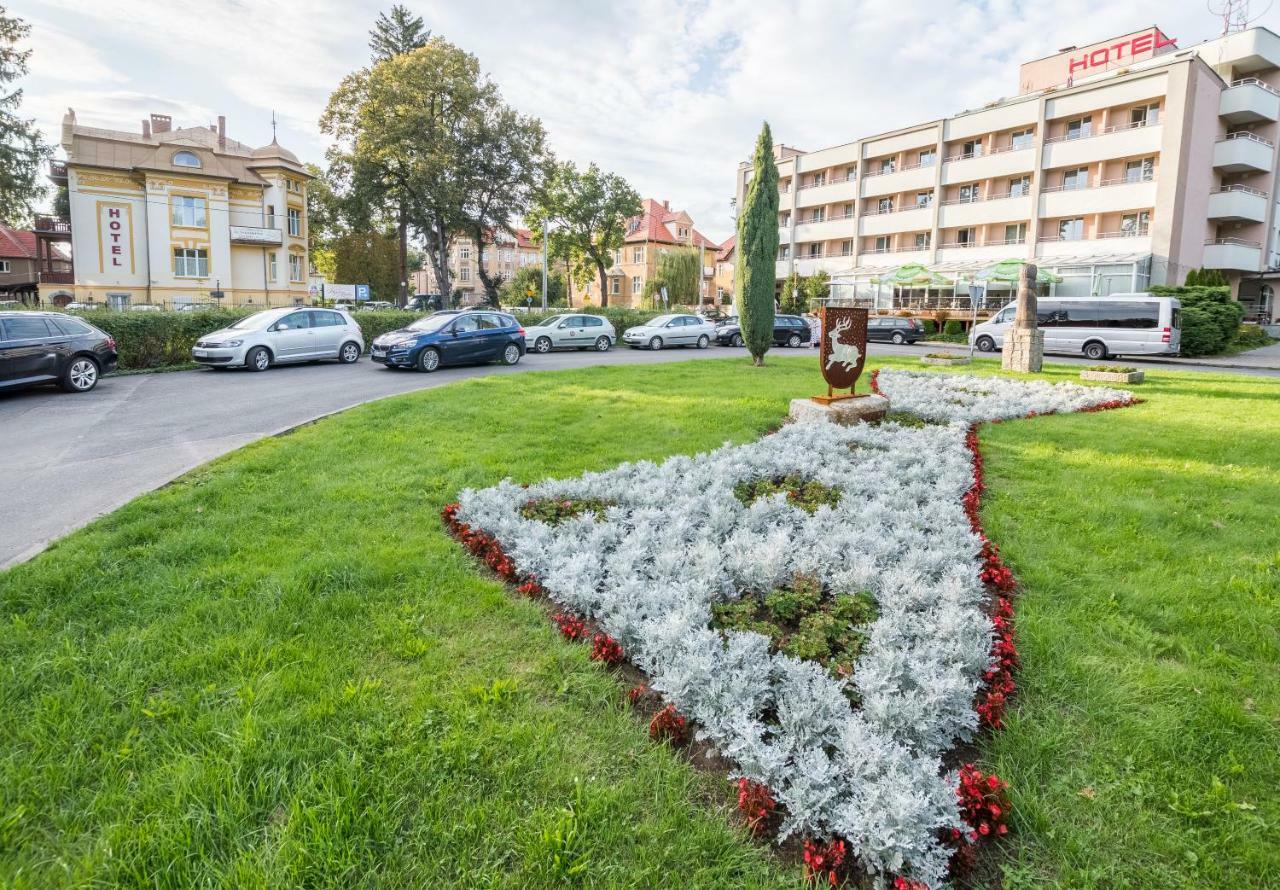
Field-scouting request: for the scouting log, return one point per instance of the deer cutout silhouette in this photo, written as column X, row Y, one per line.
column 845, row 354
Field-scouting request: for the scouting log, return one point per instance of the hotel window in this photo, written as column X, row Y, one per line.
column 1074, row 180
column 1146, row 116
column 1019, row 186
column 928, row 157
column 1023, row 139
column 1070, row 229
column 850, row 174
column 815, row 250
column 848, row 211
column 884, row 205
column 819, row 214
column 846, row 248
column 819, row 179
column 188, row 211
column 185, row 159
column 1139, row 171
column 637, row 254
column 1015, row 233
column 1136, row 223
column 882, row 244
column 922, row 240
column 784, row 252
column 295, row 267
column 635, row 284
column 190, row 262
column 615, row 286
column 887, row 165
column 295, row 222
column 924, row 199
column 1080, row 128
column 784, row 220
column 273, row 268
column 971, row 149
column 968, row 193
column 967, row 237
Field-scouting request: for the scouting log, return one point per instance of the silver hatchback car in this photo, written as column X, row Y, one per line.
column 571, row 331
column 281, row 336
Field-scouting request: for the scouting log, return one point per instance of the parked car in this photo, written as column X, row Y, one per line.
column 452, row 338
column 788, row 330
column 50, row 347
column 82, row 307
column 281, row 336
column 145, row 307
column 670, row 330
column 379, row 304
column 571, row 331
column 345, row 307
column 1097, row 327
column 894, row 330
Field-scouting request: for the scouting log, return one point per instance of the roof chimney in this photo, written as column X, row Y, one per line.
column 161, row 123
column 222, row 131
column 666, row 205
column 146, row 129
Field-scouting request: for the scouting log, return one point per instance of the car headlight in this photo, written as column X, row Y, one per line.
column 233, row 343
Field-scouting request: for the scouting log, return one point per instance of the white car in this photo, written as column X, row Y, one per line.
column 571, row 331
column 670, row 330
column 280, row 336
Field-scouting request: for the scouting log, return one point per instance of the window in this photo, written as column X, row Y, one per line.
column 1144, row 116
column 1019, row 186
column 295, row 222
column 70, row 327
column 972, row 148
column 466, row 323
column 1080, row 128
column 924, row 199
column 189, row 211
column 1126, row 314
column 273, row 267
column 590, row 321
column 466, row 273
column 290, row 184
column 882, row 244
column 271, row 216
column 819, row 179
column 17, row 328
column 1071, row 229
column 928, row 157
column 846, row 248
column 819, row 214
column 321, row 319
column 1015, row 233
column 848, row 211
column 615, row 285
column 464, row 252
column 887, row 165
column 1136, row 223
column 190, row 262
column 637, row 254
column 815, row 249
column 884, row 205
column 1059, row 314
column 850, row 174
column 785, row 220
column 922, row 240
column 967, row 237
column 488, row 322
column 4, row 265
column 1139, row 171
column 635, row 284
column 1022, row 139
column 784, row 252
column 1073, row 180
column 185, row 159
column 968, row 193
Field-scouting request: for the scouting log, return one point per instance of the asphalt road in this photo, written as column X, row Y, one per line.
column 65, row 459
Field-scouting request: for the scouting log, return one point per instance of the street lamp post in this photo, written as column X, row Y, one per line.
column 545, row 235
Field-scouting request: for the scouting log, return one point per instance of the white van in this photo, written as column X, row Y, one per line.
column 1098, row 327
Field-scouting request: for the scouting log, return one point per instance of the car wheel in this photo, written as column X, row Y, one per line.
column 258, row 359
column 603, row 344
column 897, row 338
column 349, row 354
column 1095, row 350
column 81, row 375
column 704, row 341
column 542, row 345
column 985, row 344
column 655, row 343
column 428, row 360
column 794, row 341
column 736, row 340
column 511, row 354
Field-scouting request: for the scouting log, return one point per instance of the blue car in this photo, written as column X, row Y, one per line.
column 451, row 338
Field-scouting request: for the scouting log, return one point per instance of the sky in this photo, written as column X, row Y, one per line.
column 668, row 94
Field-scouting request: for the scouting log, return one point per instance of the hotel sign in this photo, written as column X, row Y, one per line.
column 115, row 238
column 1118, row 52
column 255, row 235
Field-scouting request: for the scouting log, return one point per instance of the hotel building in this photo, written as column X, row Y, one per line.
column 1117, row 166
column 182, row 217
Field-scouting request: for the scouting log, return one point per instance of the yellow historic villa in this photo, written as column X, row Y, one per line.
column 183, row 217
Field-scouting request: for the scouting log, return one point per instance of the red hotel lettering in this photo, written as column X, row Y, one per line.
column 1138, row 46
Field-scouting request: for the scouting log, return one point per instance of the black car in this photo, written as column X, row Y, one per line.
column 894, row 330
column 49, row 347
column 788, row 330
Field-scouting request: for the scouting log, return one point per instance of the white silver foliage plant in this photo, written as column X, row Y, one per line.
column 677, row 540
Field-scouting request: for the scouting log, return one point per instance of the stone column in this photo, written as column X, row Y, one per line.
column 1024, row 343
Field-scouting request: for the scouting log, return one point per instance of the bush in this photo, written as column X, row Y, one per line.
column 1210, row 318
column 928, row 325
column 953, row 327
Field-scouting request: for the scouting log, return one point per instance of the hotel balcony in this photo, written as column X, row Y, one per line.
column 1111, row 196
column 828, row 193
column 993, row 251
column 1002, row 163
column 1234, row 254
column 898, row 257
column 58, row 172
column 962, row 213
column 910, row 219
column 1123, row 141
column 825, row 230
column 1239, row 203
column 784, row 234
column 905, row 179
column 1243, row 153
column 1249, row 101
column 1054, row 247
column 61, row 277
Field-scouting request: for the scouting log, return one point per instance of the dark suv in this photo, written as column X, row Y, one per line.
column 788, row 330
column 49, row 347
column 894, row 330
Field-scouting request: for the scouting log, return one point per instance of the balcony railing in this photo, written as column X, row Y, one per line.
column 52, row 225
column 1237, row 242
column 990, row 242
column 48, row 277
column 58, row 171
column 983, row 153
column 1253, row 81
column 1106, row 183
column 1245, row 134
column 1242, row 189
column 1102, row 131
column 850, row 177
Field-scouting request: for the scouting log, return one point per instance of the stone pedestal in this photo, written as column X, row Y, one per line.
column 1023, row 350
column 843, row 411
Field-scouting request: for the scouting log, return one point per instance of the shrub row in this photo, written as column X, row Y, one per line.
column 1210, row 318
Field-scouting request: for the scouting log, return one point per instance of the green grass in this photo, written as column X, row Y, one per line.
column 280, row 672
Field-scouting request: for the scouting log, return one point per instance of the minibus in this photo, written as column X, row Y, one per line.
column 1097, row 327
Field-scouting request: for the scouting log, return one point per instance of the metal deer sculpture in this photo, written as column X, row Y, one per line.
column 846, row 354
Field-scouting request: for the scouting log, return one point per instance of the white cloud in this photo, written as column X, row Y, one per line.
column 57, row 55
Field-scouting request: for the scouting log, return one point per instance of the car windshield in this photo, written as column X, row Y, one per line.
column 551, row 322
column 659, row 321
column 431, row 323
column 259, row 320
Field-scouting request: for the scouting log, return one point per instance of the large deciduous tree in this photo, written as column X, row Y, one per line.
column 758, row 250
column 588, row 213
column 366, row 257
column 399, row 32
column 22, row 150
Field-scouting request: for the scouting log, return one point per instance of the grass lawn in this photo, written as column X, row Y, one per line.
column 280, row 672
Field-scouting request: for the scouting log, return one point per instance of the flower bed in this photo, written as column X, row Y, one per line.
column 1112, row 374
column 852, row 763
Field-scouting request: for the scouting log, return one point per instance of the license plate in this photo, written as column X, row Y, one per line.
column 199, row 352
column 379, row 352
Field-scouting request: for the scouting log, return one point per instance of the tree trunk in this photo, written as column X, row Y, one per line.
column 604, row 283
column 490, row 285
column 438, row 254
column 402, row 284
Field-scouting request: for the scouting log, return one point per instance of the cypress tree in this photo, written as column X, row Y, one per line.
column 758, row 250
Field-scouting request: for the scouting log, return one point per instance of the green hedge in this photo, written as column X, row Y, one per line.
column 1210, row 318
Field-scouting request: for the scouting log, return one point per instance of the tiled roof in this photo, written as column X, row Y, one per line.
column 726, row 249
column 17, row 243
column 653, row 224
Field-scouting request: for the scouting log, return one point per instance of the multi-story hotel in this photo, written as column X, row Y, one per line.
column 655, row 231
column 181, row 217
column 1118, row 165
